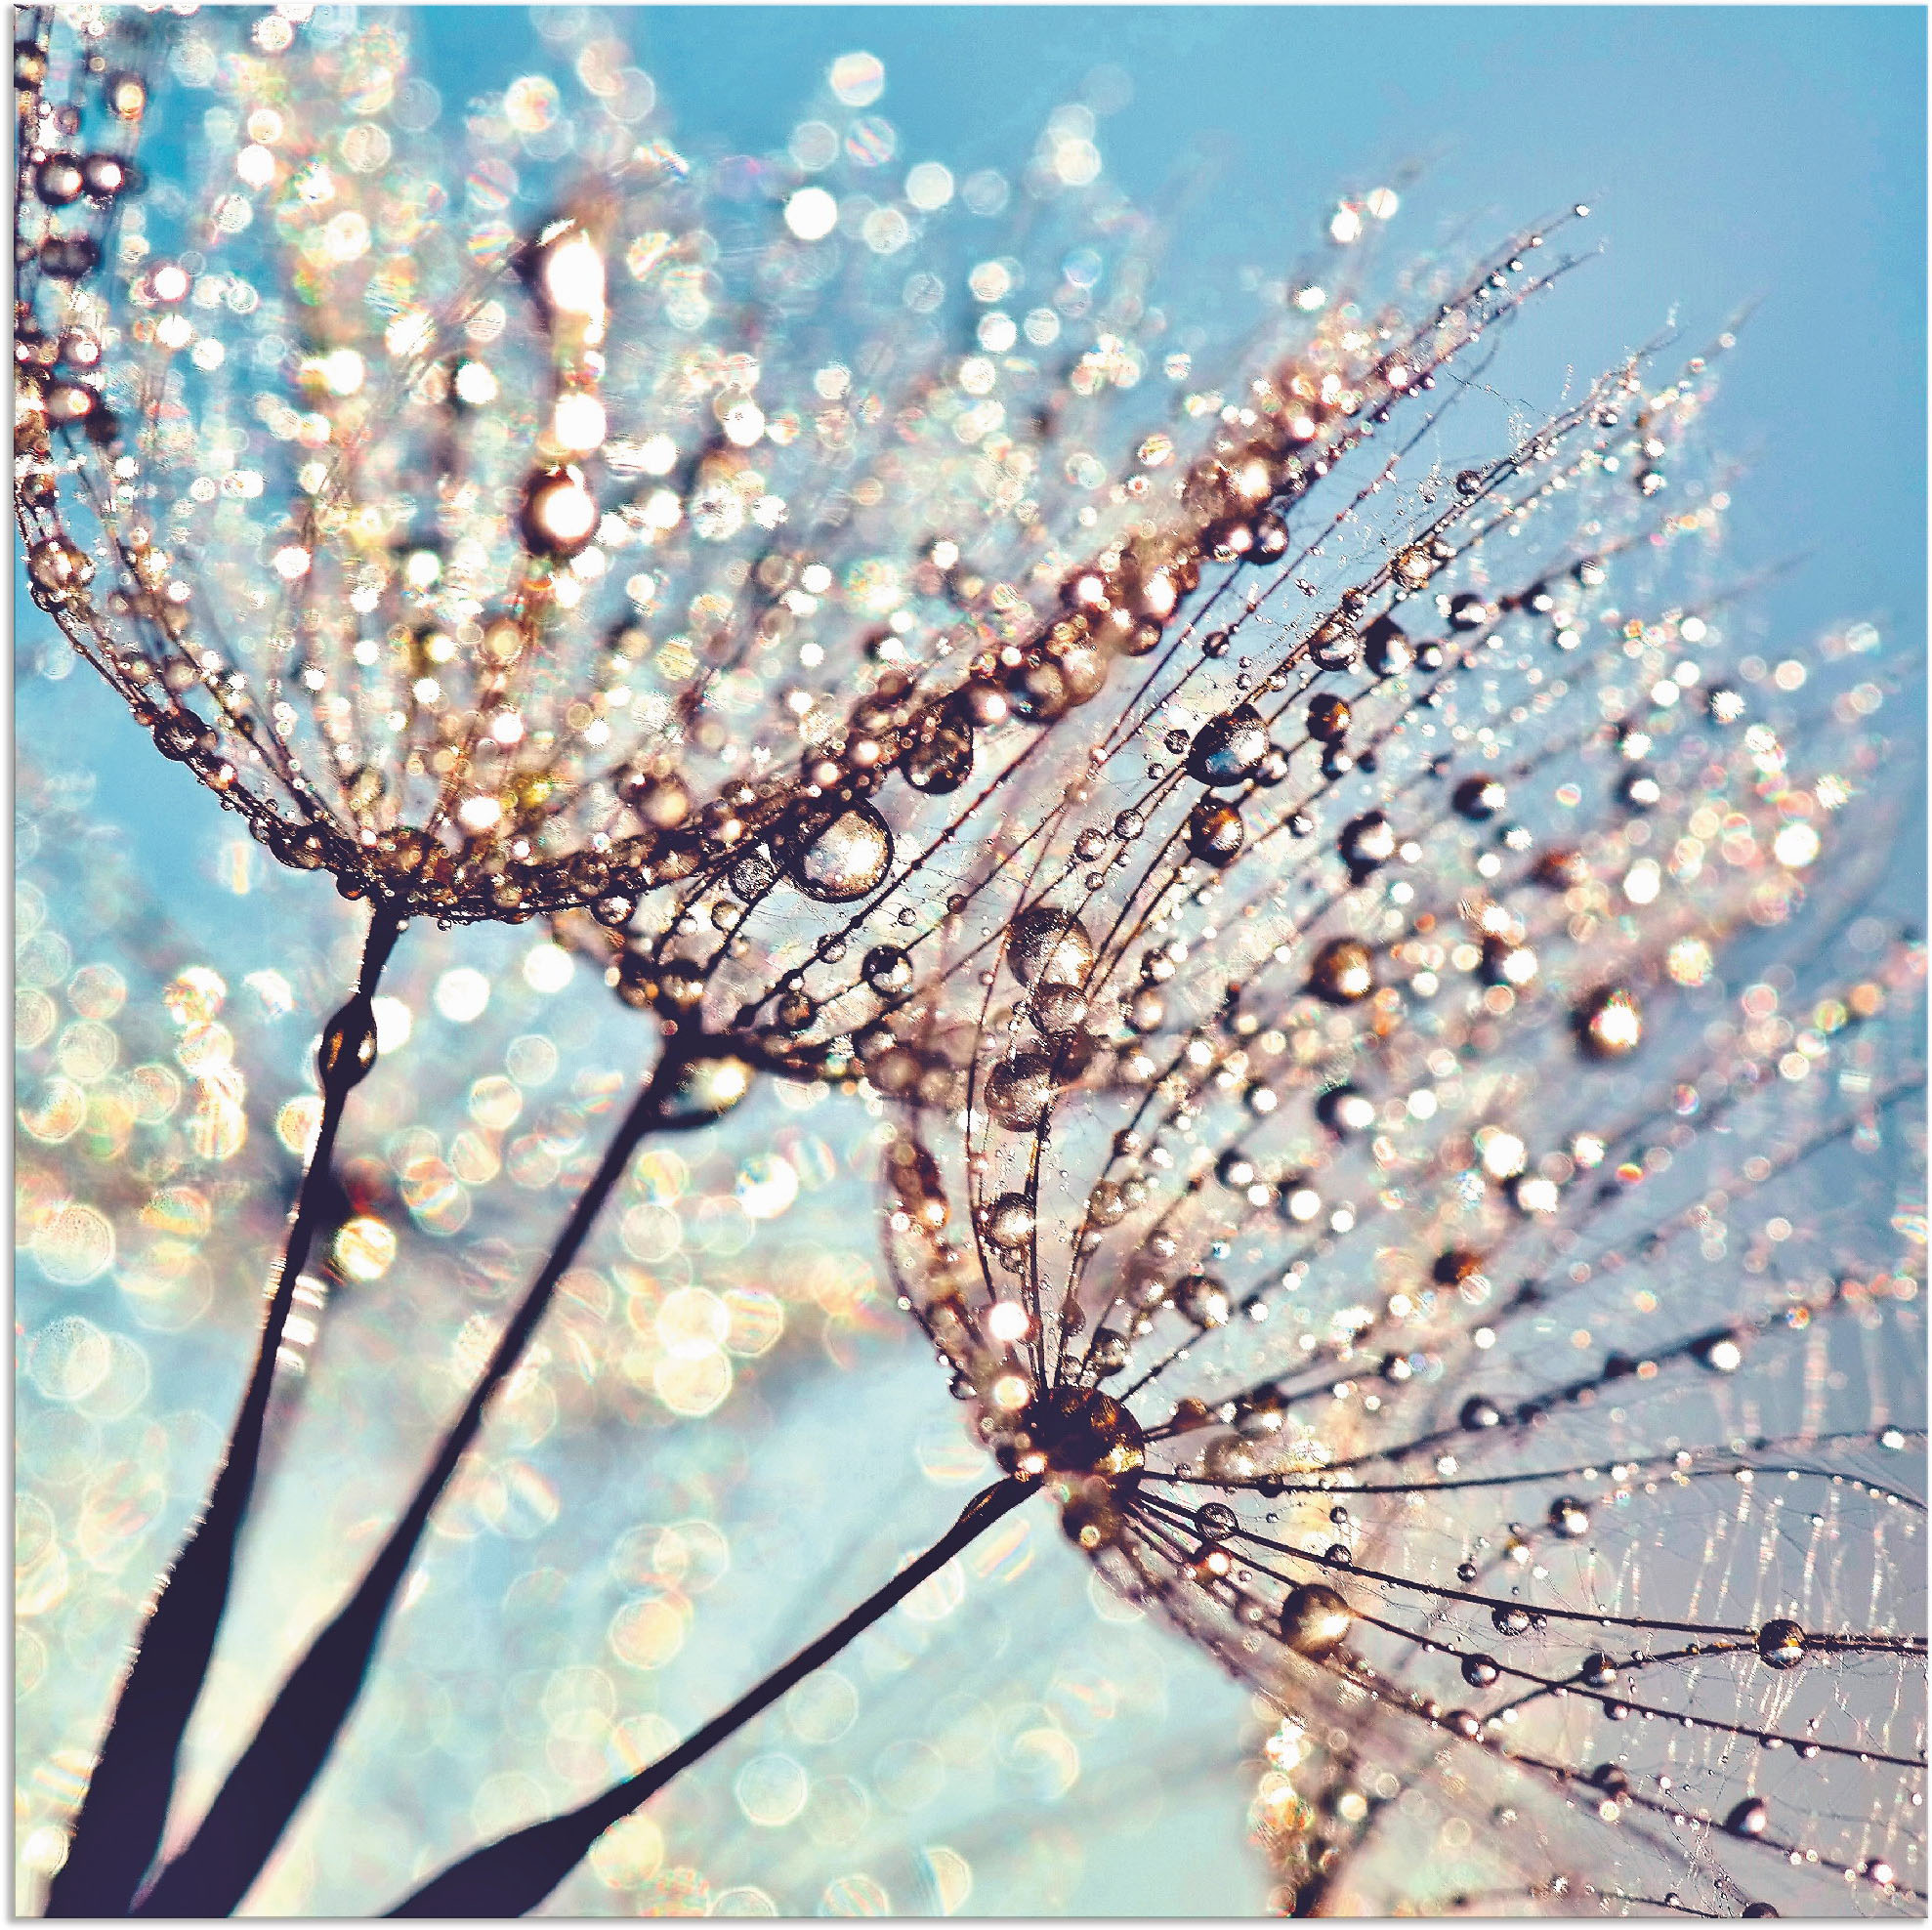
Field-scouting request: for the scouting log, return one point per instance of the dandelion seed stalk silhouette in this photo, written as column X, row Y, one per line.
column 944, row 727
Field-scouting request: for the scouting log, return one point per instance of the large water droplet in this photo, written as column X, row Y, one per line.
column 1722, row 1353
column 1480, row 798
column 1345, row 1109
column 1387, row 648
column 1315, row 1619
column 887, row 969
column 939, row 750
column 1343, row 972
column 1227, row 749
column 843, row 857
column 1010, row 1221
column 1049, row 946
column 1202, row 1299
column 559, row 515
column 1367, row 842
column 1328, row 718
column 1568, row 1518
column 1020, row 1090
column 1215, row 833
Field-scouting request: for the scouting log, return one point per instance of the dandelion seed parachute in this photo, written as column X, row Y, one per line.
column 1423, row 1255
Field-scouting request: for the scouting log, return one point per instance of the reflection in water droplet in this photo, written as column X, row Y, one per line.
column 1227, row 749
column 1049, row 946
column 1020, row 1090
column 844, row 858
column 707, row 1088
column 1315, row 1619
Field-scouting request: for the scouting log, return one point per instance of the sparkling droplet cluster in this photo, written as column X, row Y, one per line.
column 1404, row 1232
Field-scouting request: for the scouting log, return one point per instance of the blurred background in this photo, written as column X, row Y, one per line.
column 661, row 1515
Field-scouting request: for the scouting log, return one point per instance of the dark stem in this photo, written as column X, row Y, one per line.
column 279, row 1766
column 121, row 1818
column 516, row 1872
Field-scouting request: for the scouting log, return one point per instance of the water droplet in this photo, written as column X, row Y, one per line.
column 1216, row 1521
column 708, row 1086
column 1227, row 749
column 1721, row 1353
column 1010, row 1221
column 1568, row 1518
column 58, row 180
column 1610, row 1023
column 1215, row 833
column 1049, row 946
column 1343, row 972
column 938, row 757
column 1236, row 1170
column 1329, row 719
column 1367, row 842
column 843, row 857
column 1202, row 1299
column 1640, row 792
column 1020, row 1091
column 1479, row 798
column 1315, row 1619
column 753, row 875
column 1345, row 1109
column 70, row 257
column 349, row 1046
column 887, row 969
column 1780, row 1643
column 1386, row 647
column 559, row 515
column 1336, row 646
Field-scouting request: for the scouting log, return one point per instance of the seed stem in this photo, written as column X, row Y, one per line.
column 121, row 1818
column 274, row 1773
column 515, row 1873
